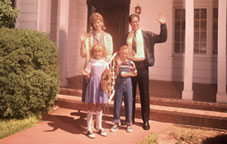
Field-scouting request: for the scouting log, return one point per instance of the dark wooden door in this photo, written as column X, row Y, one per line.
column 115, row 13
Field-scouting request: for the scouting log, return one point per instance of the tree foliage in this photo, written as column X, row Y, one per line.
column 8, row 14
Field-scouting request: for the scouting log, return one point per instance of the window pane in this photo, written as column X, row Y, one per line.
column 196, row 24
column 178, row 14
column 177, row 47
column 182, row 36
column 196, row 36
column 196, row 48
column 203, row 25
column 183, row 25
column 183, row 14
column 203, row 48
column 177, row 36
column 215, row 26
column 197, row 14
column 215, row 42
column 203, row 37
column 177, row 25
column 215, row 13
column 182, row 47
column 203, row 14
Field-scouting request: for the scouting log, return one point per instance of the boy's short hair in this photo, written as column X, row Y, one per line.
column 123, row 47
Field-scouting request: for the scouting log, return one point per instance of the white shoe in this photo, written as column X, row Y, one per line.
column 91, row 135
column 102, row 132
column 114, row 128
column 129, row 129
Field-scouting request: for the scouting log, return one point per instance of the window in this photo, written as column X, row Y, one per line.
column 200, row 31
column 179, row 34
column 215, row 31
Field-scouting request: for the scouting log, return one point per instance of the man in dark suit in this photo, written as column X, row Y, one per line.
column 141, row 44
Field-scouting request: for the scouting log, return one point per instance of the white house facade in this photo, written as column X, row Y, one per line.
column 195, row 51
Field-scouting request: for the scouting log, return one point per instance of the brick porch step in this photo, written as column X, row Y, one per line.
column 186, row 116
column 166, row 102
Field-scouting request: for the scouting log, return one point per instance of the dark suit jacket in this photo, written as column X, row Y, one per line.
column 149, row 39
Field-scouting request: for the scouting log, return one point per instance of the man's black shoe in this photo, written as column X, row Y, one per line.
column 146, row 125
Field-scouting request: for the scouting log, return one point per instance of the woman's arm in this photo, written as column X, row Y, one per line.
column 83, row 51
column 108, row 45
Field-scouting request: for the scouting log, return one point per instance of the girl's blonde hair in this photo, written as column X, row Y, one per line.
column 98, row 47
column 94, row 17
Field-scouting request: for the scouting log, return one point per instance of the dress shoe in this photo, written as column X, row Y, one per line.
column 146, row 125
column 133, row 121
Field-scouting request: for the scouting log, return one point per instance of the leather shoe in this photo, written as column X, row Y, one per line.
column 146, row 125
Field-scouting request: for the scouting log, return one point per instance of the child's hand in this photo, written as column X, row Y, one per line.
column 124, row 74
column 128, row 74
column 87, row 77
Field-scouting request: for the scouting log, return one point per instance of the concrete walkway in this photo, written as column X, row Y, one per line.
column 67, row 126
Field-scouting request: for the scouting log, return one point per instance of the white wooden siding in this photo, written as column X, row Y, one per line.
column 28, row 14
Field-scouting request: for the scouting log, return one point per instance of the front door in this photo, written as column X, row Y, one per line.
column 115, row 14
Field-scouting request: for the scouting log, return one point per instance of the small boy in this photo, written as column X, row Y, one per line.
column 125, row 69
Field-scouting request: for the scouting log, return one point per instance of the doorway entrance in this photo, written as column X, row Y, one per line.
column 115, row 14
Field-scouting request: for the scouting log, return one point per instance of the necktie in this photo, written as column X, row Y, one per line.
column 134, row 42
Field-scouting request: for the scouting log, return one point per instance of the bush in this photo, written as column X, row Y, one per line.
column 8, row 14
column 151, row 139
column 28, row 73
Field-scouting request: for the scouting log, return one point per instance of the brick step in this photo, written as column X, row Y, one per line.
column 70, row 91
column 165, row 101
column 176, row 115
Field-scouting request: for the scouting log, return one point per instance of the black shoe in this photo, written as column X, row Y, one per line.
column 146, row 125
column 133, row 121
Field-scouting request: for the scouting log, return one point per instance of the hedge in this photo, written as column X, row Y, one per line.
column 29, row 78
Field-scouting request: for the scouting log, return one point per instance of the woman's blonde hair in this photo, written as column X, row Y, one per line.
column 98, row 47
column 94, row 17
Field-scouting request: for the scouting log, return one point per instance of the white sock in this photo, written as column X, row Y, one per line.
column 89, row 120
column 99, row 120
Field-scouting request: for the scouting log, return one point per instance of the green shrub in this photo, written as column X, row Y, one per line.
column 28, row 73
column 8, row 14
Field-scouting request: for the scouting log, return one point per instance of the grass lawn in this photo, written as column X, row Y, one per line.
column 12, row 126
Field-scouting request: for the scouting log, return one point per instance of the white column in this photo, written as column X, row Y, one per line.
column 63, row 40
column 189, row 49
column 221, row 96
column 44, row 16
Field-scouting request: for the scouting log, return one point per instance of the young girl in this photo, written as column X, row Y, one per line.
column 95, row 97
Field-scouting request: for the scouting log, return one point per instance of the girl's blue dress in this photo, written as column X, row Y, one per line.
column 94, row 93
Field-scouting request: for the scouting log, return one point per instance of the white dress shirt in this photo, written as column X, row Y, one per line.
column 139, row 45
